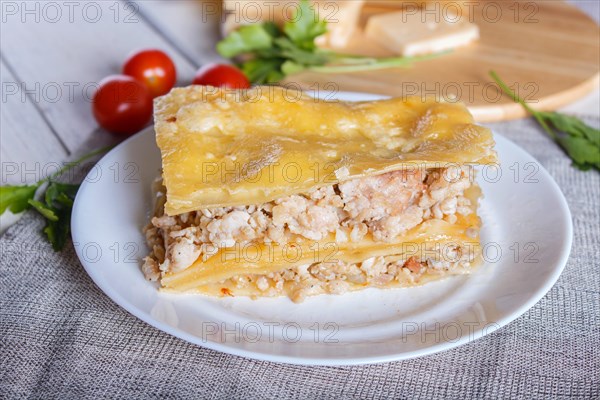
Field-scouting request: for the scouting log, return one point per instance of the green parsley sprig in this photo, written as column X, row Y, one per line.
column 579, row 141
column 56, row 204
column 270, row 53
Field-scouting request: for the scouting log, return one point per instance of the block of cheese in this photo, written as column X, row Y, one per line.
column 342, row 20
column 341, row 16
column 421, row 31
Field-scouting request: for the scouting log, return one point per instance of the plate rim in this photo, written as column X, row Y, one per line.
column 532, row 300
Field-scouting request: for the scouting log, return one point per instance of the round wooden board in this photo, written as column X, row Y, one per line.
column 548, row 50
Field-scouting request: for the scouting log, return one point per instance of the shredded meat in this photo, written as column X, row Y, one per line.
column 340, row 277
column 385, row 206
column 377, row 197
column 413, row 265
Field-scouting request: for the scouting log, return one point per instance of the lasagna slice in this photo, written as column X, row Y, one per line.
column 270, row 192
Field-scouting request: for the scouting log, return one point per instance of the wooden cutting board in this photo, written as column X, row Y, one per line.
column 548, row 50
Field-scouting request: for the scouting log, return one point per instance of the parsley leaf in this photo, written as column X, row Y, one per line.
column 578, row 140
column 583, row 155
column 57, row 204
column 60, row 194
column 247, row 39
column 47, row 212
column 16, row 198
column 289, row 50
column 58, row 199
column 58, row 231
column 305, row 26
column 263, row 70
column 569, row 123
column 56, row 208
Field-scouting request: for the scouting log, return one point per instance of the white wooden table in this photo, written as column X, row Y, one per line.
column 52, row 55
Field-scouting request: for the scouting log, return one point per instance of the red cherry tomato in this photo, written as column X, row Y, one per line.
column 122, row 104
column 221, row 75
column 153, row 68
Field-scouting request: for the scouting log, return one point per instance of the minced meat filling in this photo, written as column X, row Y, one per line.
column 385, row 205
column 340, row 277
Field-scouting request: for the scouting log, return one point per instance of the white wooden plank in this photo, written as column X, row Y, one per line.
column 60, row 50
column 28, row 147
column 193, row 25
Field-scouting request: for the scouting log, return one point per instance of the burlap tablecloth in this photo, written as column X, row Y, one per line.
column 61, row 337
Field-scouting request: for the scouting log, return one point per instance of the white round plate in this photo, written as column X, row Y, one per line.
column 527, row 237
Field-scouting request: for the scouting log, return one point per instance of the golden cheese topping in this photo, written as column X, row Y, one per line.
column 225, row 147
